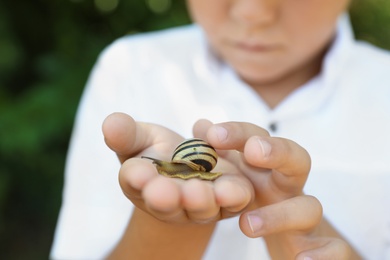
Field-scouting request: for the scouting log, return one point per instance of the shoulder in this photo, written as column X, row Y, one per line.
column 367, row 69
column 366, row 49
column 370, row 60
column 169, row 38
column 363, row 83
column 146, row 49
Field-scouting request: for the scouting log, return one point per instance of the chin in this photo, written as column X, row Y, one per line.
column 259, row 76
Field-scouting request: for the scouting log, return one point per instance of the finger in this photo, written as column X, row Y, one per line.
column 327, row 248
column 260, row 149
column 118, row 130
column 133, row 176
column 127, row 137
column 199, row 201
column 162, row 194
column 201, row 127
column 233, row 135
column 228, row 138
column 284, row 156
column 200, row 130
column 300, row 213
column 162, row 199
column 233, row 193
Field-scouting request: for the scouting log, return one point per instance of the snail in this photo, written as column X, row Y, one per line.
column 193, row 158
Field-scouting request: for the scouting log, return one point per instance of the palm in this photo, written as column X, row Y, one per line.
column 171, row 199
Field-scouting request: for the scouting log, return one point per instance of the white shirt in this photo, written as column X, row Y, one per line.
column 342, row 117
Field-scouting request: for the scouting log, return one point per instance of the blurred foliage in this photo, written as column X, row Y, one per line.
column 47, row 48
column 370, row 20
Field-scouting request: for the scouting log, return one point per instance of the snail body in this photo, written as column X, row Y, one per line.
column 193, row 158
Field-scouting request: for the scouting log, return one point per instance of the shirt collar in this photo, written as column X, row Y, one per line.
column 314, row 94
column 309, row 96
column 316, row 91
column 338, row 54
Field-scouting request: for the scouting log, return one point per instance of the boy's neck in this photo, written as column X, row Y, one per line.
column 274, row 92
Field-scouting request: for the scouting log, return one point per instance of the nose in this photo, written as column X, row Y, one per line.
column 255, row 12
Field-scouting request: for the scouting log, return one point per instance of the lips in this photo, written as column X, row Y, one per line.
column 256, row 47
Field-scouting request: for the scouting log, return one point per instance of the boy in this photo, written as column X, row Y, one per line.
column 291, row 67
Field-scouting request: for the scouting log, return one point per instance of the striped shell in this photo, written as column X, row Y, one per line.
column 193, row 158
column 197, row 154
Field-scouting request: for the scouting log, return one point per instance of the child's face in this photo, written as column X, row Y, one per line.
column 265, row 40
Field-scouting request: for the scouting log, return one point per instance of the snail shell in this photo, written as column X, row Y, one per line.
column 193, row 158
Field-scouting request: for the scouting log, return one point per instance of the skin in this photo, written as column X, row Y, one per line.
column 265, row 185
column 275, row 46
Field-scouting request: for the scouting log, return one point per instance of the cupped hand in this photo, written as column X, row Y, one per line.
column 277, row 167
column 290, row 221
column 167, row 199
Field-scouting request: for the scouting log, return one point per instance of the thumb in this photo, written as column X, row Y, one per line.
column 119, row 130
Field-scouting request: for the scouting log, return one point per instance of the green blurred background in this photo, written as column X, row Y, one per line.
column 47, row 48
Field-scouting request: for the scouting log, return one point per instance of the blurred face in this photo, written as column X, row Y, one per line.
column 265, row 40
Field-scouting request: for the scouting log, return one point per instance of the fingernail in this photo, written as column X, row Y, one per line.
column 255, row 222
column 265, row 147
column 221, row 132
column 307, row 258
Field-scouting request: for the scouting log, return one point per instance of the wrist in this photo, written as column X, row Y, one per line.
column 167, row 240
